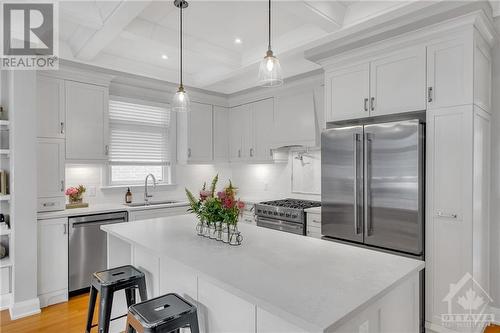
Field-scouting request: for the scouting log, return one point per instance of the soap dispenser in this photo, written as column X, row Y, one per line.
column 128, row 196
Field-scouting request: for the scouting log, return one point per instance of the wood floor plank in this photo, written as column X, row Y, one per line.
column 67, row 317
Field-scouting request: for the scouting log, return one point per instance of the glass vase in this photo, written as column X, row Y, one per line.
column 200, row 228
column 235, row 237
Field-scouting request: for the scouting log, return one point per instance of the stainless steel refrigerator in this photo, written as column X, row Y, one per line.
column 373, row 185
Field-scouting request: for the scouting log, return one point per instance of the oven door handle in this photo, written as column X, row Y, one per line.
column 287, row 224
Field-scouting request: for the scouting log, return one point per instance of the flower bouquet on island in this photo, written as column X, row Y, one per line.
column 218, row 212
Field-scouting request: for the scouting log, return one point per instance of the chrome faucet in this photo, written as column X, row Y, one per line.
column 146, row 194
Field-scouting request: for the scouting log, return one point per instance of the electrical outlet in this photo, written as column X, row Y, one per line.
column 90, row 191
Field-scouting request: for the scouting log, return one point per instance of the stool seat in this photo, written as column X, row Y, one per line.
column 166, row 313
column 118, row 275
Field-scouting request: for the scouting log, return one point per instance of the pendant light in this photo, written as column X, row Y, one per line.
column 180, row 101
column 270, row 70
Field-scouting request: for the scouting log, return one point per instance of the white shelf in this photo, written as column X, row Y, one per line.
column 4, row 151
column 4, row 123
column 5, row 197
column 6, row 262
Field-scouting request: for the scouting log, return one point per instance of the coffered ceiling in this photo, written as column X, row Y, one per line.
column 224, row 40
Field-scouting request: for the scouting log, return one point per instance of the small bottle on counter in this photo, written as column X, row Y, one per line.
column 128, row 196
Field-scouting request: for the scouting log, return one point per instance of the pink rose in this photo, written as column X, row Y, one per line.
column 221, row 195
column 228, row 203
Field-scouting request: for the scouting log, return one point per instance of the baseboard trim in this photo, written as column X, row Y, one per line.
column 24, row 309
column 5, row 301
column 53, row 297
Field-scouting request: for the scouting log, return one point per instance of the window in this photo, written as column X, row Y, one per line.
column 139, row 142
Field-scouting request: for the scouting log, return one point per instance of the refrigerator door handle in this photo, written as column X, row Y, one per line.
column 356, row 137
column 367, row 186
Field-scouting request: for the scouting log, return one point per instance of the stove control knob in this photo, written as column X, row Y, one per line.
column 287, row 215
column 282, row 214
column 275, row 213
column 294, row 216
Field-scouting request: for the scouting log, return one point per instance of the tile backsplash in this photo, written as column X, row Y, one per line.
column 255, row 181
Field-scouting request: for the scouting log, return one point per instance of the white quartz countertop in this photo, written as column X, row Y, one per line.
column 312, row 283
column 313, row 210
column 103, row 208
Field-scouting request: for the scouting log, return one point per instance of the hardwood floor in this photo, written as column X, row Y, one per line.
column 69, row 317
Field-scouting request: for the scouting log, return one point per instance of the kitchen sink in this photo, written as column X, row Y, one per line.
column 150, row 203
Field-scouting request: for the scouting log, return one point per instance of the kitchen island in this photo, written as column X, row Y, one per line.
column 274, row 281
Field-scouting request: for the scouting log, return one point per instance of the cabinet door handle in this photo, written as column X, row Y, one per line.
column 365, row 105
column 62, row 185
column 65, row 229
column 448, row 215
column 372, row 103
column 270, row 152
column 62, row 127
column 429, row 94
column 239, row 152
column 251, row 152
column 106, row 150
column 189, row 152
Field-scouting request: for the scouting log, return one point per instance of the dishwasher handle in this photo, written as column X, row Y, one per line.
column 88, row 224
column 99, row 217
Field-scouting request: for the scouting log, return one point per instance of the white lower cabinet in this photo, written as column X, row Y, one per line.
column 50, row 168
column 313, row 225
column 52, row 261
column 458, row 184
column 152, row 213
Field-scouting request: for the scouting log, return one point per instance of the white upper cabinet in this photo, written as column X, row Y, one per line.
column 397, row 82
column 262, row 113
column 384, row 85
column 449, row 74
column 251, row 131
column 295, row 120
column 482, row 73
column 51, row 116
column 50, row 168
column 87, row 121
column 221, row 126
column 239, row 133
column 348, row 93
column 200, row 148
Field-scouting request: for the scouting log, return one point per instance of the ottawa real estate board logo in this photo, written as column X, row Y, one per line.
column 29, row 36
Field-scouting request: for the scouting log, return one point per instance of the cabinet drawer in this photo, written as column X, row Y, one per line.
column 313, row 232
column 314, row 220
column 51, row 204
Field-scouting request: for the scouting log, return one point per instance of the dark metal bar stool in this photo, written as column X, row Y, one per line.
column 106, row 283
column 162, row 314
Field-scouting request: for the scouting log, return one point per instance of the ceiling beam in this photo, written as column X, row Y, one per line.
column 328, row 15
column 112, row 26
column 162, row 35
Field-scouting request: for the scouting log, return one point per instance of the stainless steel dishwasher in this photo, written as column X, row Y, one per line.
column 88, row 247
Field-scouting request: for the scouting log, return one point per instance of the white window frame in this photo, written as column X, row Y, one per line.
column 168, row 171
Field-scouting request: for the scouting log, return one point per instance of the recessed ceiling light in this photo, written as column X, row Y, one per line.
column 164, row 56
column 237, row 41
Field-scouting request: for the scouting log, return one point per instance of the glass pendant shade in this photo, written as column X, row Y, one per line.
column 180, row 102
column 270, row 71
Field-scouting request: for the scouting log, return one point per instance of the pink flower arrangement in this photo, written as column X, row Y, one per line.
column 215, row 206
column 75, row 193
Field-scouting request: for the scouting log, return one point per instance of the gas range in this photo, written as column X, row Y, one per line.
column 285, row 215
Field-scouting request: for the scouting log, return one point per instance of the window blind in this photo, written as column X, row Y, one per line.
column 138, row 134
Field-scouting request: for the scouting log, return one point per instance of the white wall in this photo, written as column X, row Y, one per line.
column 495, row 178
